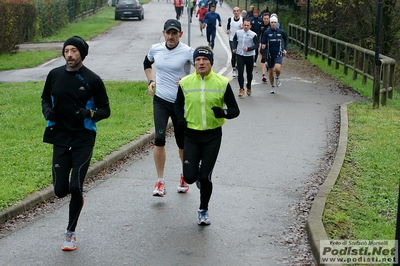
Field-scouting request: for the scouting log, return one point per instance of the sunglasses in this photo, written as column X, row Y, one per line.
column 273, row 22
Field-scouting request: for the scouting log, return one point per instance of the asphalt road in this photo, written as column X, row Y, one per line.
column 267, row 155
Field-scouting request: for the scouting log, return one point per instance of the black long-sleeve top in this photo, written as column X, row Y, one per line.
column 65, row 92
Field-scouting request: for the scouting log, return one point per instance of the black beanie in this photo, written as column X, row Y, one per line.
column 79, row 43
column 204, row 51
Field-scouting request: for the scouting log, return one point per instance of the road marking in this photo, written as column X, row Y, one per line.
column 227, row 50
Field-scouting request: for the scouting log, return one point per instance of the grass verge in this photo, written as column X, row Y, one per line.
column 87, row 28
column 363, row 202
column 26, row 160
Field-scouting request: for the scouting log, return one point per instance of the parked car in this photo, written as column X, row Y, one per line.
column 129, row 9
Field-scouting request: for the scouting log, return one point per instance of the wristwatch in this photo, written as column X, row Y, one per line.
column 150, row 81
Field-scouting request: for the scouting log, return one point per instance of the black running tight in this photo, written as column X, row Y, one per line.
column 242, row 62
column 74, row 161
column 201, row 147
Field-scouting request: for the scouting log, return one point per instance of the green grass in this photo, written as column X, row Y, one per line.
column 26, row 160
column 87, row 28
column 26, row 59
column 363, row 202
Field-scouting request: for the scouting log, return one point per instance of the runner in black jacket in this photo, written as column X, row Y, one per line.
column 265, row 25
column 73, row 100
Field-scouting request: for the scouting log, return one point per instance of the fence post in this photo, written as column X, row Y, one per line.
column 391, row 80
column 385, row 87
column 355, row 63
column 365, row 67
column 377, row 84
column 346, row 59
column 330, row 48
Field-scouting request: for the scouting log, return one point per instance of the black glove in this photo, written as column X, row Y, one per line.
column 218, row 112
column 51, row 115
column 85, row 113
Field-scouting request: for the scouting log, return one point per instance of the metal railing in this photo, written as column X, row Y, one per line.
column 360, row 60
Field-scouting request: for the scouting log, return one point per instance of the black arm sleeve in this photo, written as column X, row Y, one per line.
column 255, row 46
column 228, row 26
column 103, row 110
column 285, row 39
column 231, row 104
column 46, row 98
column 147, row 63
column 179, row 111
column 179, row 105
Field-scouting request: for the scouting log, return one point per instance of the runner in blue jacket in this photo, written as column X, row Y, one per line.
column 211, row 20
column 272, row 42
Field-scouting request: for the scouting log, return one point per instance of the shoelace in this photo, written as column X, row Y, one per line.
column 160, row 186
column 69, row 236
column 182, row 182
column 203, row 215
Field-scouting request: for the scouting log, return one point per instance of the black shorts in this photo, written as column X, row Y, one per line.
column 162, row 111
column 272, row 61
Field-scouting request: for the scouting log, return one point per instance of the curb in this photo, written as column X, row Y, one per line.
column 47, row 193
column 314, row 226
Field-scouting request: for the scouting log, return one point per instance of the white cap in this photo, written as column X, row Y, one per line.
column 274, row 19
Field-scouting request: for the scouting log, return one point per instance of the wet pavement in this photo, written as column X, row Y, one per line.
column 267, row 155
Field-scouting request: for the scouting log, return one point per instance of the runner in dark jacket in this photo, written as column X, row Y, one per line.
column 211, row 20
column 272, row 41
column 255, row 27
column 73, row 100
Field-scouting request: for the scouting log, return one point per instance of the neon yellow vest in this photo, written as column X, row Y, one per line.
column 200, row 96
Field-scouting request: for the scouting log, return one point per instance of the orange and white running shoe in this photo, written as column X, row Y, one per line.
column 183, row 186
column 160, row 190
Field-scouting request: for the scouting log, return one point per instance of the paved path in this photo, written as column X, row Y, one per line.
column 267, row 154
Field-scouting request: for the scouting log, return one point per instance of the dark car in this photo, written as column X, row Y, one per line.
column 129, row 9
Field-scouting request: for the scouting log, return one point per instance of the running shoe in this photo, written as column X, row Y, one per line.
column 272, row 90
column 234, row 73
column 248, row 90
column 277, row 82
column 160, row 190
column 255, row 64
column 264, row 78
column 69, row 241
column 183, row 186
column 241, row 92
column 204, row 219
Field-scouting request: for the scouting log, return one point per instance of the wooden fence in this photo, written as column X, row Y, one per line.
column 360, row 60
